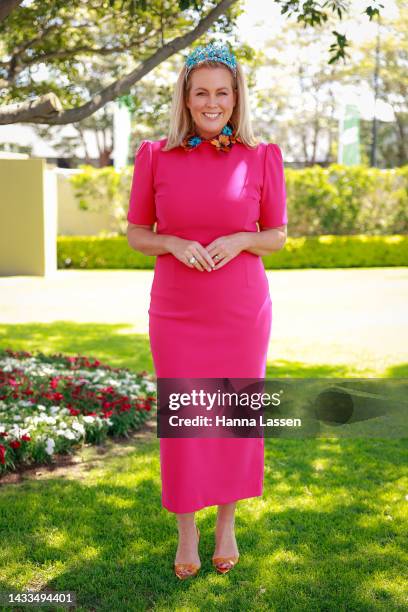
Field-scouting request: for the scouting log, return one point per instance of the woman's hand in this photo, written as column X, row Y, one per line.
column 184, row 249
column 225, row 248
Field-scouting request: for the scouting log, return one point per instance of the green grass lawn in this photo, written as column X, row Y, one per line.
column 329, row 533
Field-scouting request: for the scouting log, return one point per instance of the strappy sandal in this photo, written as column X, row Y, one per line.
column 187, row 570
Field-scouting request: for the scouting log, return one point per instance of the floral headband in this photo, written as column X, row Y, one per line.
column 213, row 52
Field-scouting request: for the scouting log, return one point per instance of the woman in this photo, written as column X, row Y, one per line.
column 209, row 186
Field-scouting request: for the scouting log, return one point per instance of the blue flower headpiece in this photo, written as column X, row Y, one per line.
column 213, row 52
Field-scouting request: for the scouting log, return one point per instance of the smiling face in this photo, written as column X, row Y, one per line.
column 211, row 99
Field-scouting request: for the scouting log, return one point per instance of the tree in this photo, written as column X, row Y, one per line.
column 300, row 98
column 393, row 83
column 298, row 106
column 66, row 38
column 47, row 46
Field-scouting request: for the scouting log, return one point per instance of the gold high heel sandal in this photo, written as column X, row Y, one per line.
column 187, row 570
column 230, row 562
column 219, row 561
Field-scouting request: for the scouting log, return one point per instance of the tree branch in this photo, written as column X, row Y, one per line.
column 65, row 53
column 19, row 63
column 12, row 65
column 45, row 106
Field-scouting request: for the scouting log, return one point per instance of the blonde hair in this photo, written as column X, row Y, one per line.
column 181, row 123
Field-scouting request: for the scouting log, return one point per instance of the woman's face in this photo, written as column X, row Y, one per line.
column 211, row 93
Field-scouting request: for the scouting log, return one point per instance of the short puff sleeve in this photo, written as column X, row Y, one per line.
column 273, row 210
column 141, row 203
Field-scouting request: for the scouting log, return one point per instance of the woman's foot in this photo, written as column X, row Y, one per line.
column 187, row 562
column 226, row 552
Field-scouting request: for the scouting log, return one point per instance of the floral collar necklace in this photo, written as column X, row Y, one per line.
column 223, row 142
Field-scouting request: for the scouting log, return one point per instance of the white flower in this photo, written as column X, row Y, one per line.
column 78, row 427
column 49, row 446
column 40, row 407
column 15, row 431
column 88, row 418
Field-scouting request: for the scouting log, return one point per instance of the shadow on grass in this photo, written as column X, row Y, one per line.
column 117, row 346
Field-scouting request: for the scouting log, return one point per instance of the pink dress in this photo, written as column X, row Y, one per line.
column 209, row 324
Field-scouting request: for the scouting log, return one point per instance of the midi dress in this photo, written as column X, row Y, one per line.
column 209, row 324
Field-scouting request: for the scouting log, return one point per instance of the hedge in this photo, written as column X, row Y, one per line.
column 90, row 253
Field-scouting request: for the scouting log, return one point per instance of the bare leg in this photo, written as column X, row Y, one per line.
column 225, row 542
column 187, row 550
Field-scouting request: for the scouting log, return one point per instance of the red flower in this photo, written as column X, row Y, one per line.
column 26, row 437
column 74, row 411
column 3, row 434
column 54, row 383
column 15, row 444
column 2, row 454
column 108, row 414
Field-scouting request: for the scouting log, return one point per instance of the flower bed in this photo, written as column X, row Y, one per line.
column 51, row 404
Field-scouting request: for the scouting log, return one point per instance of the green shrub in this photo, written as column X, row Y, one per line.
column 104, row 190
column 347, row 200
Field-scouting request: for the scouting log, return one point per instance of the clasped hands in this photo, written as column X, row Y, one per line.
column 212, row 257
